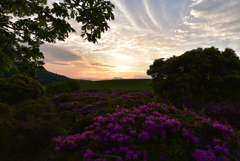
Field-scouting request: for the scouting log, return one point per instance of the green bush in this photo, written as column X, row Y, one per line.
column 63, row 87
column 81, row 123
column 197, row 72
column 30, row 110
column 19, row 88
column 5, row 110
column 7, row 122
column 63, row 98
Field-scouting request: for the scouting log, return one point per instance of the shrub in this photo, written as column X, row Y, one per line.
column 63, row 87
column 61, row 100
column 19, row 88
column 30, row 110
column 81, row 123
column 7, row 122
column 197, row 72
column 150, row 132
column 5, row 110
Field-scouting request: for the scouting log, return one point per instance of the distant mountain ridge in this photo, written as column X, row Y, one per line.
column 43, row 77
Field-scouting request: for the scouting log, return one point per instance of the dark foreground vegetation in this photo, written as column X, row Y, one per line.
column 119, row 125
column 191, row 115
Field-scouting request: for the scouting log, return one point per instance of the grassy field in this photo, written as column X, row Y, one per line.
column 128, row 84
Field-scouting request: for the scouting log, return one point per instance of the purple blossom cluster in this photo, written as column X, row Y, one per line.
column 138, row 129
column 120, row 127
column 189, row 136
column 117, row 135
column 202, row 155
column 152, row 126
column 71, row 141
column 132, row 99
column 86, row 102
column 209, row 154
column 67, row 105
column 226, row 130
column 85, row 110
column 210, row 107
column 116, row 131
column 219, row 148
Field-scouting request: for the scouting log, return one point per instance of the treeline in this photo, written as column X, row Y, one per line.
column 43, row 77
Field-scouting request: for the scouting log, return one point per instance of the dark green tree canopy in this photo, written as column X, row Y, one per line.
column 198, row 72
column 26, row 24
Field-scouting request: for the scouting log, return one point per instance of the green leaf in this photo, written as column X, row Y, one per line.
column 91, row 2
column 112, row 16
column 72, row 14
column 48, row 25
column 11, row 63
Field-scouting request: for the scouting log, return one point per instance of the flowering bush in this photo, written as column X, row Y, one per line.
column 122, row 134
column 117, row 125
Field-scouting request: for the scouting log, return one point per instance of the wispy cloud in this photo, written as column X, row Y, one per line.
column 144, row 30
column 101, row 65
column 56, row 53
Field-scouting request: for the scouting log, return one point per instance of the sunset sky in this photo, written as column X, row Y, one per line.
column 144, row 30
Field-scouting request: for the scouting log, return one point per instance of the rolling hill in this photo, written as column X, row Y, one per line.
column 44, row 77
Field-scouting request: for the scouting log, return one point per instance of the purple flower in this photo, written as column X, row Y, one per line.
column 162, row 157
column 97, row 138
column 144, row 135
column 189, row 136
column 175, row 124
column 100, row 159
column 89, row 154
column 135, row 156
column 145, row 155
column 107, row 152
column 222, row 149
column 202, row 155
column 99, row 119
column 114, row 150
column 57, row 150
column 132, row 132
column 164, row 134
column 156, row 114
column 173, row 108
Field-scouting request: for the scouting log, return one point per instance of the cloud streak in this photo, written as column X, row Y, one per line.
column 145, row 30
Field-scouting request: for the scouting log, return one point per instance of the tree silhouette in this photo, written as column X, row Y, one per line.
column 26, row 24
column 197, row 72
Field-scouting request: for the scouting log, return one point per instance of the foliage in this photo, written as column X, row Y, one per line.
column 132, row 134
column 6, row 123
column 80, row 124
column 31, row 109
column 5, row 110
column 19, row 88
column 26, row 24
column 63, row 98
column 69, row 85
column 120, row 125
column 197, row 72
